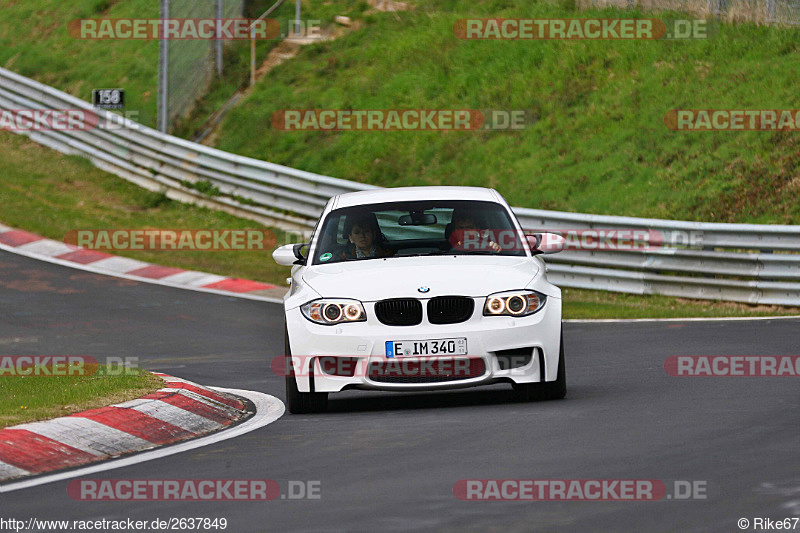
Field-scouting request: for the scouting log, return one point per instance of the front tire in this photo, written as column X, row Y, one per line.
column 300, row 402
column 549, row 390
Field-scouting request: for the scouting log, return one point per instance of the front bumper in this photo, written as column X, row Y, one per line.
column 485, row 336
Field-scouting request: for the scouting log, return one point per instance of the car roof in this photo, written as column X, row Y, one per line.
column 403, row 194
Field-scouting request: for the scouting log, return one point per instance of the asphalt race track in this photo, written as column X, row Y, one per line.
column 389, row 462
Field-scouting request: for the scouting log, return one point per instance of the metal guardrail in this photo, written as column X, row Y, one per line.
column 262, row 191
column 733, row 262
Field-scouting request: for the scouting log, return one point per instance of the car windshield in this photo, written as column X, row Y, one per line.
column 422, row 228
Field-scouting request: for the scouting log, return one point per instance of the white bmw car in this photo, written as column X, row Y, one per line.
column 420, row 288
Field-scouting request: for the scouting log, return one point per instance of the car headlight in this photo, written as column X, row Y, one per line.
column 330, row 312
column 513, row 303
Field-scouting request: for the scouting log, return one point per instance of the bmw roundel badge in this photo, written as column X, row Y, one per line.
column 424, row 289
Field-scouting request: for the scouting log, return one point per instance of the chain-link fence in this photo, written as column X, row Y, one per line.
column 186, row 66
column 760, row 11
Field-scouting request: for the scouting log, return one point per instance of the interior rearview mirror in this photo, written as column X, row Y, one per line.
column 417, row 218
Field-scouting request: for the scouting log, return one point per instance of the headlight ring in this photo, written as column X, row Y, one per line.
column 329, row 312
column 514, row 303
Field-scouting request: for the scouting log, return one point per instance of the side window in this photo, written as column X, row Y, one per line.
column 326, row 239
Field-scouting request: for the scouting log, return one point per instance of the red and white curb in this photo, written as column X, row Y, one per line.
column 37, row 247
column 180, row 411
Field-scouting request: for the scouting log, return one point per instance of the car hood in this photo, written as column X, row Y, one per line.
column 401, row 277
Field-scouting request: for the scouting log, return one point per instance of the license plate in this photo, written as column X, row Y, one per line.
column 457, row 346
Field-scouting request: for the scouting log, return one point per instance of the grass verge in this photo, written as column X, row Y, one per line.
column 580, row 303
column 28, row 398
column 599, row 143
column 49, row 194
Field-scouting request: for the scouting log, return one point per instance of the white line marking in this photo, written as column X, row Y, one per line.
column 268, row 410
column 192, row 278
column 90, row 268
column 132, row 404
column 698, row 319
column 205, row 400
column 119, row 264
column 18, row 340
column 7, row 470
column 47, row 247
column 176, row 416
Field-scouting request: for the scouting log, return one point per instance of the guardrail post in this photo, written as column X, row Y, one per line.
column 252, row 57
column 770, row 10
column 219, row 41
column 717, row 7
column 163, row 73
column 297, row 18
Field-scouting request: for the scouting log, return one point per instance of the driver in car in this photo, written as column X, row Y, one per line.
column 463, row 222
column 365, row 238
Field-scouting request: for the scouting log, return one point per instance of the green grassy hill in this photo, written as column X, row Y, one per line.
column 600, row 144
column 34, row 42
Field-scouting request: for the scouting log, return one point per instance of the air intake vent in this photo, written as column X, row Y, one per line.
column 518, row 357
column 399, row 312
column 450, row 309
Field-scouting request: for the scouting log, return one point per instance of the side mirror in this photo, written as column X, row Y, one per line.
column 546, row 243
column 289, row 254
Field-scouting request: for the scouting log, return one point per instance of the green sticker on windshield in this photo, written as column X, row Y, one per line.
column 325, row 257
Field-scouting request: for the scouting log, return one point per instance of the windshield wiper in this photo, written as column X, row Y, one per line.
column 452, row 252
column 423, row 255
